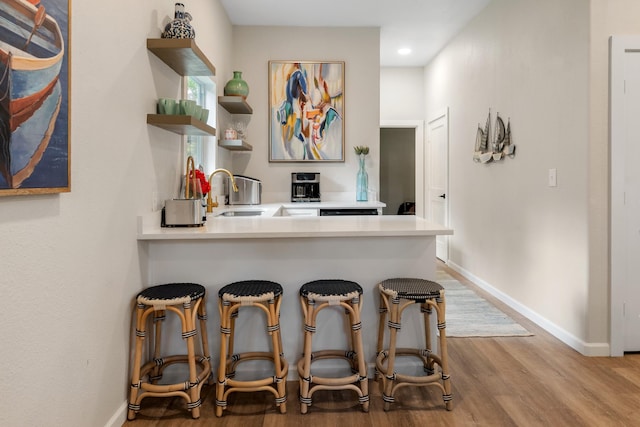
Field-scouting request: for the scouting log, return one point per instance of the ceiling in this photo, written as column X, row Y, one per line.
column 425, row 26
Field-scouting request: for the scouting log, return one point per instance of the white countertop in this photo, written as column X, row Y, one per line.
column 270, row 227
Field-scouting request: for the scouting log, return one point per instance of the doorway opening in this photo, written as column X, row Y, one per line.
column 402, row 167
column 397, row 170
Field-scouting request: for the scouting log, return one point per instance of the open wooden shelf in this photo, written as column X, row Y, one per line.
column 235, row 145
column 183, row 56
column 235, row 104
column 182, row 125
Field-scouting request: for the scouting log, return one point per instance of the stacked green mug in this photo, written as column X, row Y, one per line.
column 187, row 107
column 167, row 106
column 184, row 107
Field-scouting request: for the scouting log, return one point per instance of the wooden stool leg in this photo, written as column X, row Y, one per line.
column 188, row 334
column 426, row 310
column 382, row 324
column 155, row 374
column 349, row 323
column 356, row 328
column 280, row 346
column 394, row 326
column 134, row 407
column 234, row 312
column 202, row 317
column 305, row 378
column 225, row 331
column 273, row 329
column 444, row 357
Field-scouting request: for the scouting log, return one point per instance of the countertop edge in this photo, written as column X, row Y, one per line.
column 286, row 235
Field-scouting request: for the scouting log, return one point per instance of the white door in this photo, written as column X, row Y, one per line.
column 438, row 173
column 625, row 195
column 632, row 200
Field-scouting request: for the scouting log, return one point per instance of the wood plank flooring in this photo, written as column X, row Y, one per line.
column 502, row 381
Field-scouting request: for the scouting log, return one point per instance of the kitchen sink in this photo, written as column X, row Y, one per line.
column 241, row 213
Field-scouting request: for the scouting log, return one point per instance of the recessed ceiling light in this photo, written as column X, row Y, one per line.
column 404, row 51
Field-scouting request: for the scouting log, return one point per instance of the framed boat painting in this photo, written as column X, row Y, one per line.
column 306, row 111
column 34, row 97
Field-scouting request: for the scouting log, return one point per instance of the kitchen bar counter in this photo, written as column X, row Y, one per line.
column 292, row 251
column 273, row 227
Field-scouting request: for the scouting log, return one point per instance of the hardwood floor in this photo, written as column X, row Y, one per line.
column 503, row 381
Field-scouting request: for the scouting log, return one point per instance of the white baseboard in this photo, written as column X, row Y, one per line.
column 584, row 348
column 119, row 417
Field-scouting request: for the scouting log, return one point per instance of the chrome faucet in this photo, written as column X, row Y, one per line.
column 210, row 203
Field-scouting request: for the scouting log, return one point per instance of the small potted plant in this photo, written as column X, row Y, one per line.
column 361, row 149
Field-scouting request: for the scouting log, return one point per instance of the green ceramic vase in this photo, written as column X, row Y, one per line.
column 236, row 86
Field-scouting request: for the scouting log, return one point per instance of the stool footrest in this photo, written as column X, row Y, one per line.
column 425, row 355
column 248, row 385
column 335, row 383
column 250, row 355
column 203, row 375
column 167, row 361
column 333, row 354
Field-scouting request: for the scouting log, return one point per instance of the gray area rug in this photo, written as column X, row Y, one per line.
column 470, row 315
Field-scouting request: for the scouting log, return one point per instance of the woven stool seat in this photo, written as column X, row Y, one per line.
column 412, row 289
column 187, row 301
column 266, row 296
column 395, row 296
column 321, row 290
column 171, row 293
column 314, row 297
column 259, row 290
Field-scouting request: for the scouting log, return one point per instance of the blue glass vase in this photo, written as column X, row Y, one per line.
column 362, row 182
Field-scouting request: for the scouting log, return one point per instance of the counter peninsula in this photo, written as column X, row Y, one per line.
column 292, row 251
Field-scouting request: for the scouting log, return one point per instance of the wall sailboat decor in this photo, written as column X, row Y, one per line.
column 501, row 145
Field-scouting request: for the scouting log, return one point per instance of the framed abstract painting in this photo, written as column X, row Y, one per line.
column 306, row 111
column 34, row 97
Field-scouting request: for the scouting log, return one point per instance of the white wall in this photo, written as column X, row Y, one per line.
column 529, row 61
column 359, row 48
column 402, row 93
column 70, row 262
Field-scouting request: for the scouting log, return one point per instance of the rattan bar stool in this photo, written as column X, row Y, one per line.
column 266, row 296
column 395, row 296
column 186, row 300
column 314, row 297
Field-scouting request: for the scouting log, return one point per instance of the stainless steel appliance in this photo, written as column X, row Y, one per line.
column 249, row 191
column 182, row 213
column 305, row 187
